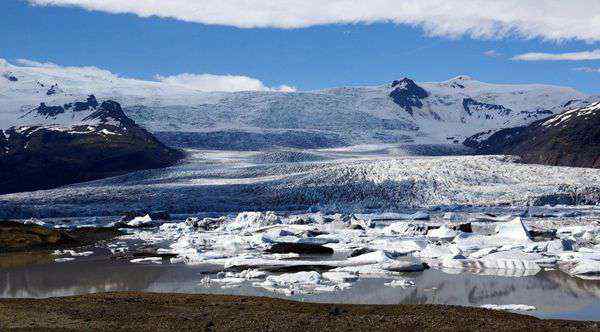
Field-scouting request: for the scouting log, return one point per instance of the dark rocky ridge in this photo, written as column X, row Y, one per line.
column 472, row 106
column 106, row 143
column 407, row 94
column 568, row 139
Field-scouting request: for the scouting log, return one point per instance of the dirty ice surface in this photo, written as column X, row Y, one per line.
column 358, row 179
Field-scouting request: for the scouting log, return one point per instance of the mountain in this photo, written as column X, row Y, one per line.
column 568, row 139
column 74, row 142
column 404, row 111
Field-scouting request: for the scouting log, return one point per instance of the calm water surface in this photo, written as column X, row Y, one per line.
column 553, row 293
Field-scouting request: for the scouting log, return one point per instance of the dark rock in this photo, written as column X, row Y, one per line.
column 465, row 227
column 361, row 251
column 313, row 233
column 543, row 234
column 299, row 248
column 357, row 227
column 52, row 91
column 16, row 237
column 474, row 107
column 407, row 94
column 160, row 215
column 49, row 111
column 10, row 77
column 336, row 311
column 128, row 216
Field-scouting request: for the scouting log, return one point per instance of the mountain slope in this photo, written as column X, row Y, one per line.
column 400, row 112
column 74, row 142
column 568, row 139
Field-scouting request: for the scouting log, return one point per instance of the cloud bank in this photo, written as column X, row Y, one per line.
column 574, row 56
column 546, row 19
column 200, row 82
column 588, row 70
column 492, row 54
column 224, row 83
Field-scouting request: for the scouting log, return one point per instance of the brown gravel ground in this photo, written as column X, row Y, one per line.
column 176, row 312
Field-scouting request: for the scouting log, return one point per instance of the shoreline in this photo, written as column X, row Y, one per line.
column 171, row 311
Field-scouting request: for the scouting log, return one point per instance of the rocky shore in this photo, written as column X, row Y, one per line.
column 163, row 312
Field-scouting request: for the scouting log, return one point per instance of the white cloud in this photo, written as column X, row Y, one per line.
column 223, row 83
column 492, row 54
column 574, row 56
column 200, row 82
column 587, row 69
column 32, row 63
column 547, row 19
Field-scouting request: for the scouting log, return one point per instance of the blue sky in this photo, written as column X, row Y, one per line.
column 312, row 57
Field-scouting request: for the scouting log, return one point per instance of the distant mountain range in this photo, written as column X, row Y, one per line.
column 55, row 131
column 74, row 142
column 403, row 111
column 571, row 138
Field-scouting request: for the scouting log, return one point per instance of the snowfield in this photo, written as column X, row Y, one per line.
column 452, row 110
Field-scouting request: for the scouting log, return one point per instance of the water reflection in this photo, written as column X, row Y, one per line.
column 554, row 293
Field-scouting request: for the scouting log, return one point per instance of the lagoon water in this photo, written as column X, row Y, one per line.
column 553, row 293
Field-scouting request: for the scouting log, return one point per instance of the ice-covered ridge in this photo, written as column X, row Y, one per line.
column 449, row 112
column 573, row 114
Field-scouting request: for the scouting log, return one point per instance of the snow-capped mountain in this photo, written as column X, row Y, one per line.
column 403, row 111
column 74, row 142
column 571, row 138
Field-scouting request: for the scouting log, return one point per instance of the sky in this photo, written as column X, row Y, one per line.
column 311, row 44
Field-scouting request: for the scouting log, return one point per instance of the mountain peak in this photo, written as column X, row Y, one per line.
column 404, row 82
column 462, row 78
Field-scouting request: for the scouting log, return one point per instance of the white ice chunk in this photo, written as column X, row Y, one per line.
column 155, row 260
column 513, row 307
column 340, row 276
column 586, row 267
column 514, row 230
column 442, row 233
column 140, row 221
column 64, row 259
column 401, row 283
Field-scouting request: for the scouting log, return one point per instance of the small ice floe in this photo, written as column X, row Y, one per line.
column 400, row 283
column 72, row 253
column 154, row 260
column 578, row 232
column 394, row 216
column 399, row 246
column 511, row 307
column 64, row 259
column 438, row 251
column 36, row 222
column 340, row 276
column 507, row 233
column 560, row 214
column 404, row 228
column 586, row 267
column 140, row 221
column 247, row 221
column 232, row 279
column 485, row 218
column 442, row 233
column 452, row 216
column 513, row 230
column 307, row 282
